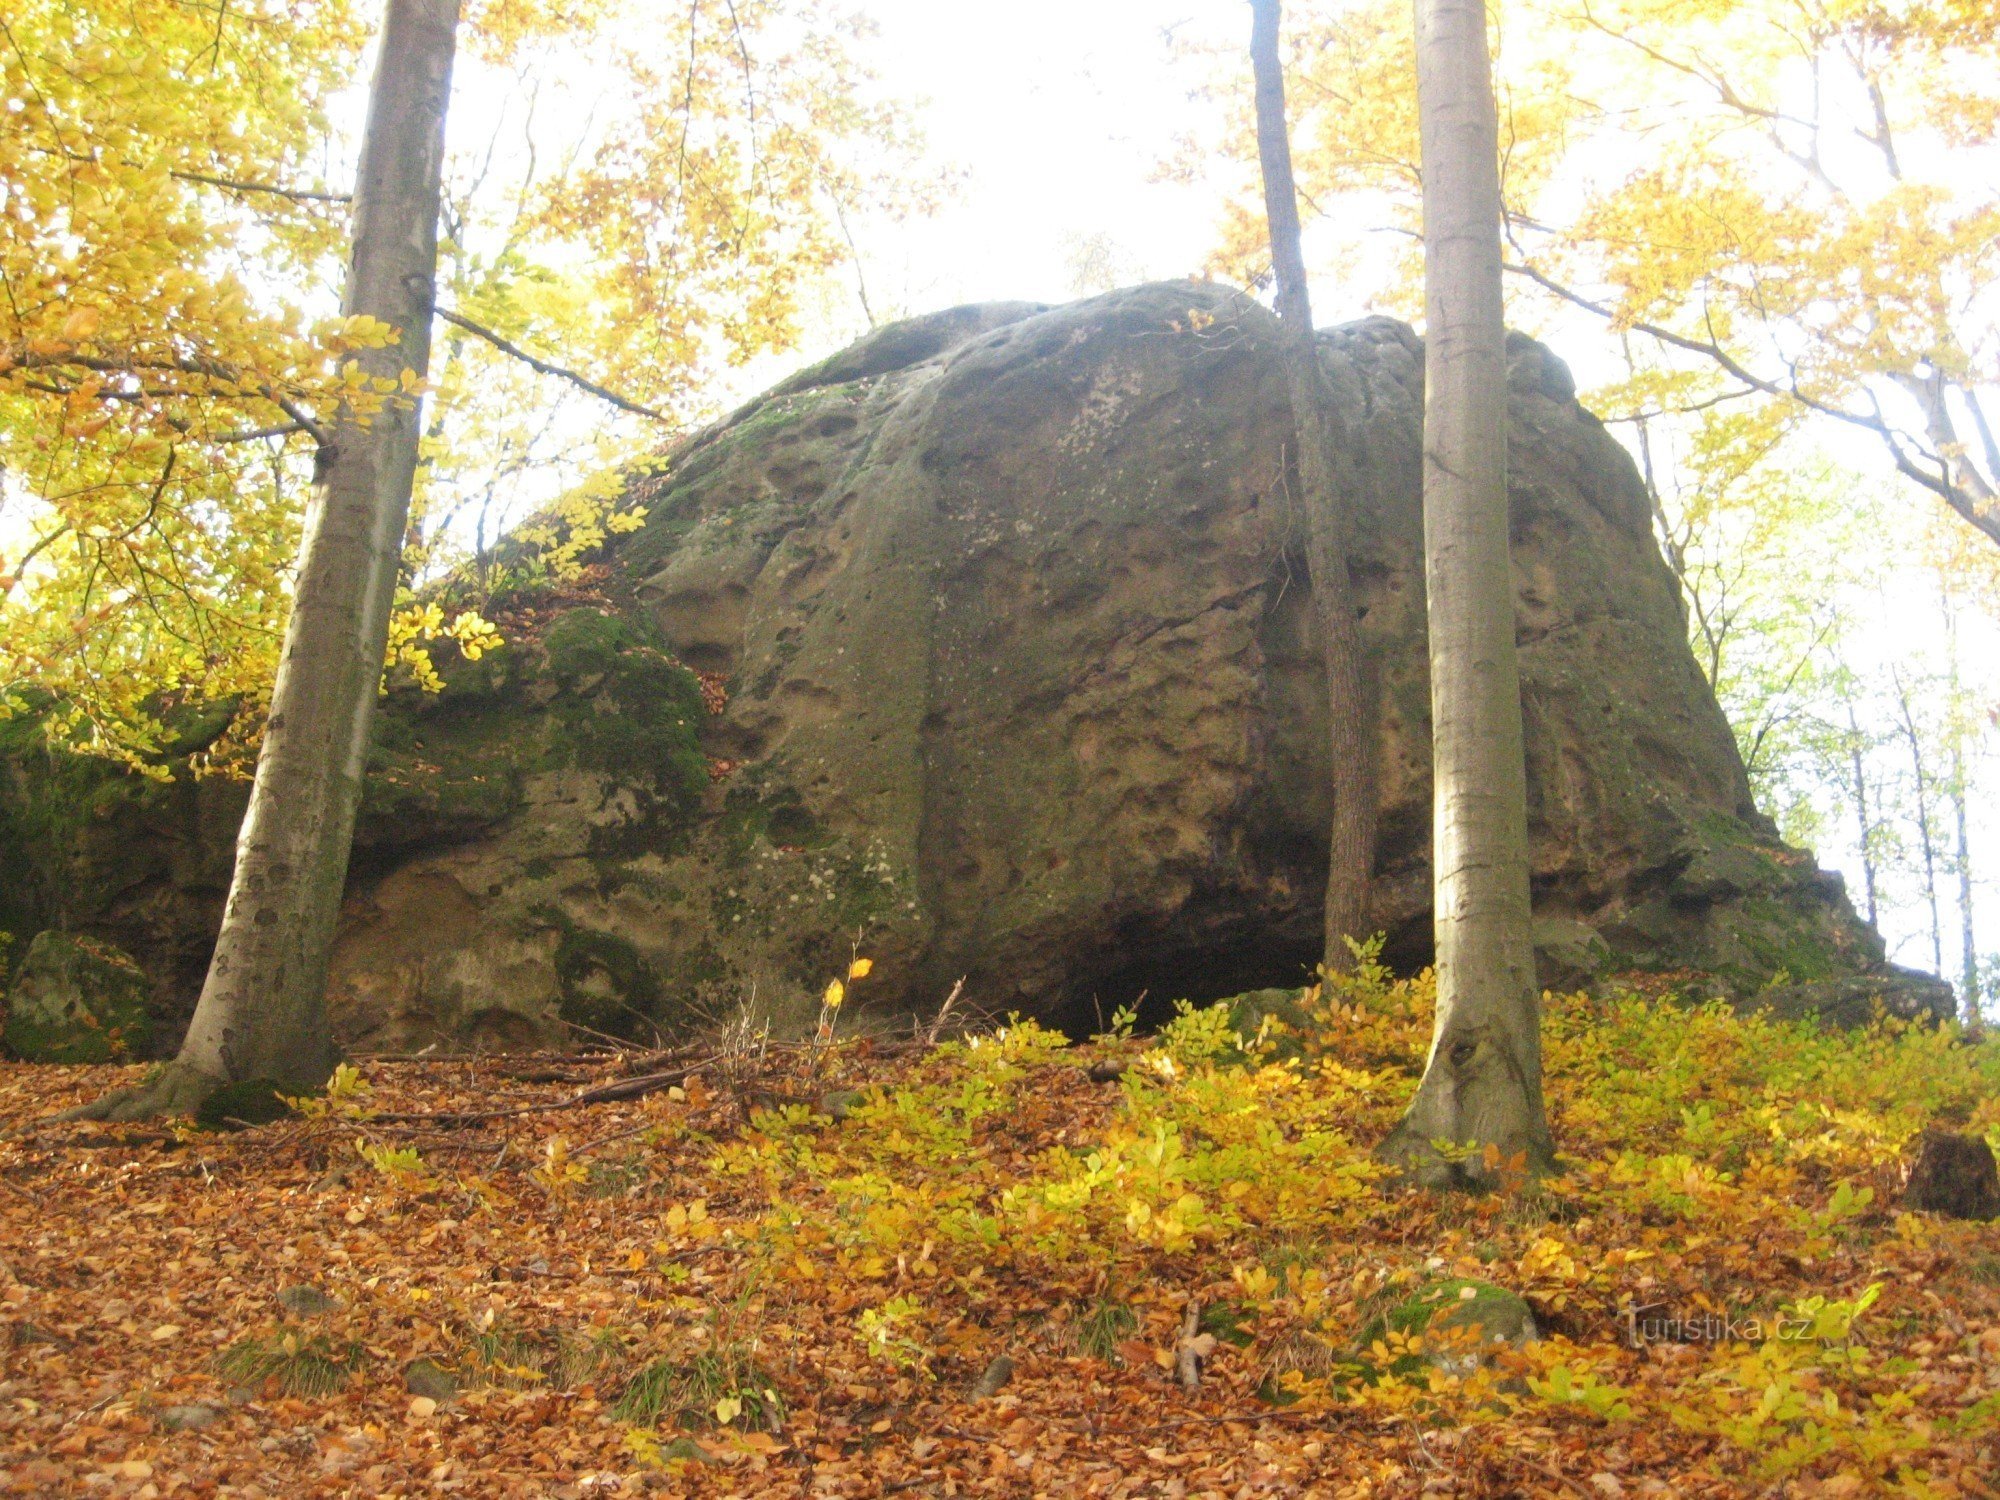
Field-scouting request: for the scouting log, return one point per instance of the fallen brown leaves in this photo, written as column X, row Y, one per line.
column 543, row 1254
column 129, row 1260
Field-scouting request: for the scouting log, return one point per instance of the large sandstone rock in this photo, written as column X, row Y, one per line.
column 1023, row 685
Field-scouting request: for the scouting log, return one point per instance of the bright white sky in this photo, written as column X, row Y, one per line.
column 1058, row 111
column 1056, row 115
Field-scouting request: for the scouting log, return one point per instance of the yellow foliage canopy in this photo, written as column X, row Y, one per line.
column 172, row 219
column 1786, row 201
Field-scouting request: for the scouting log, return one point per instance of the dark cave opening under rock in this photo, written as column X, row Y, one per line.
column 1165, row 969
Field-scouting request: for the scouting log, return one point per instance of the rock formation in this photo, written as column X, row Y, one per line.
column 1011, row 617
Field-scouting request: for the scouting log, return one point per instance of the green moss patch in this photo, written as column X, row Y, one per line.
column 76, row 1000
column 607, row 987
column 627, row 708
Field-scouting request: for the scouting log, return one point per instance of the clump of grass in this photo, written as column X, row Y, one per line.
column 553, row 1358
column 616, row 1177
column 313, row 1366
column 718, row 1384
column 1984, row 1269
column 1102, row 1327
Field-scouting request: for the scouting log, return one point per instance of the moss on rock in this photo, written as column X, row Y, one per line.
column 627, row 707
column 1465, row 1319
column 607, row 986
column 77, row 1000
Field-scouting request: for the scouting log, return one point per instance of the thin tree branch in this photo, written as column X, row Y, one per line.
column 21, row 568
column 1928, row 391
column 251, row 435
column 297, row 195
column 1979, row 510
column 1678, row 411
column 853, row 255
column 515, row 351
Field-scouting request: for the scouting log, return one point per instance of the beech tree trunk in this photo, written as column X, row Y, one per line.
column 1968, row 984
column 1482, row 1084
column 262, row 1013
column 1921, row 782
column 1861, row 813
column 1323, row 476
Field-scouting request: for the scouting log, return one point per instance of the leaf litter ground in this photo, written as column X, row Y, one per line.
column 966, row 1269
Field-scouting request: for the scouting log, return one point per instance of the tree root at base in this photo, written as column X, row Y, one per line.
column 174, row 1090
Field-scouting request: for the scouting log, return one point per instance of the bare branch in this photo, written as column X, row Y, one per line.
column 297, row 195
column 251, row 435
column 1977, row 506
column 21, row 568
column 1929, row 393
column 515, row 351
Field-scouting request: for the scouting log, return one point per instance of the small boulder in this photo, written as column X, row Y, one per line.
column 996, row 1375
column 839, row 1103
column 426, row 1377
column 1954, row 1175
column 304, row 1301
column 77, row 1000
column 188, row 1418
column 1856, row 999
column 1468, row 1319
column 1568, row 953
column 1293, row 1023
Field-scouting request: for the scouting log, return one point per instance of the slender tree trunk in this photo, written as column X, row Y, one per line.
column 1861, row 811
column 1961, row 795
column 1926, row 835
column 1483, row 1081
column 1322, row 448
column 262, row 1013
column 1968, row 998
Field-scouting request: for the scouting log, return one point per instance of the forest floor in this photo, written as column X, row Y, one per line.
column 967, row 1269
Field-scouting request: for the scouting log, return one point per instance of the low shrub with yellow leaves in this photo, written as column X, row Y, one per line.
column 1722, row 1170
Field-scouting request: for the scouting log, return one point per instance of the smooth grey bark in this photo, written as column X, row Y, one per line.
column 1960, row 791
column 1322, row 446
column 1861, row 813
column 1975, row 1020
column 1921, row 781
column 1482, row 1083
column 262, row 1012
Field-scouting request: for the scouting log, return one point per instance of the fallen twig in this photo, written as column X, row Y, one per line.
column 1193, row 1347
column 606, row 1140
column 603, row 1093
column 937, row 1021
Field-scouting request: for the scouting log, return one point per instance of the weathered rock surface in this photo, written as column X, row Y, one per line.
column 77, row 1000
column 1460, row 1324
column 1954, row 1175
column 1023, row 685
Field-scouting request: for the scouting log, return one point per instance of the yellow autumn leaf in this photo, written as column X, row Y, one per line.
column 860, row 968
column 81, row 324
column 835, row 993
